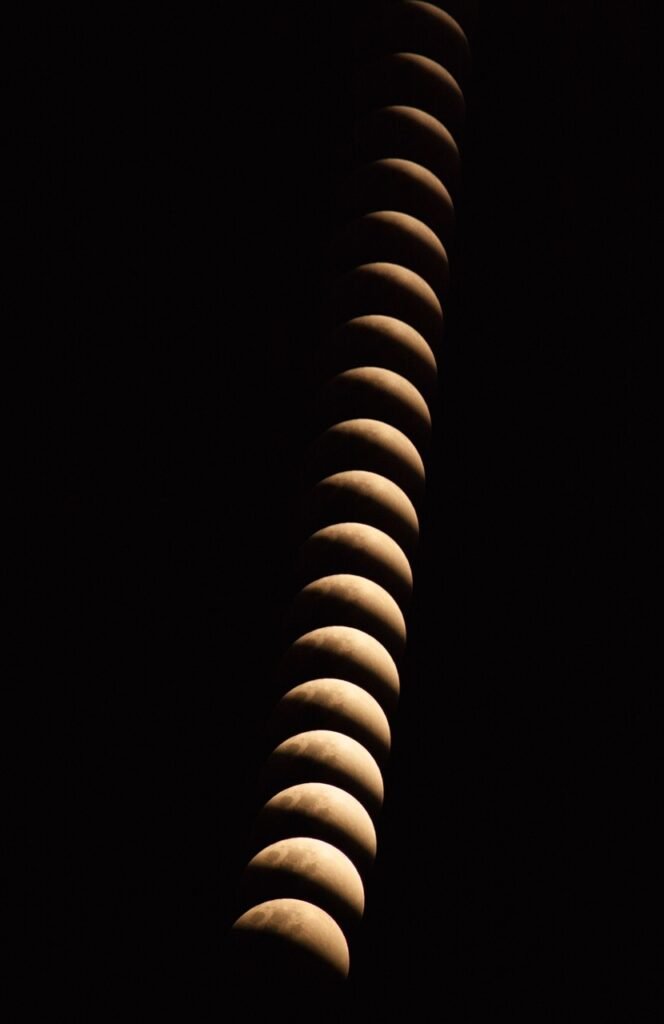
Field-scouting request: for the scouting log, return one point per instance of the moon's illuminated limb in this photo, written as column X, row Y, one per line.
column 377, row 340
column 308, row 869
column 378, row 394
column 391, row 290
column 334, row 704
column 412, row 134
column 396, row 184
column 322, row 811
column 414, row 80
column 392, row 237
column 343, row 652
column 293, row 935
column 360, row 549
column 428, row 30
column 321, row 755
column 359, row 496
column 347, row 600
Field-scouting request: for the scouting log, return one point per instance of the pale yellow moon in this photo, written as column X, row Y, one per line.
column 346, row 600
column 333, row 704
column 393, row 237
column 343, row 652
column 414, row 135
column 306, row 869
column 292, row 935
column 391, row 290
column 360, row 496
column 377, row 340
column 321, row 755
column 415, row 80
column 321, row 811
column 378, row 394
column 369, row 444
column 359, row 549
column 396, row 184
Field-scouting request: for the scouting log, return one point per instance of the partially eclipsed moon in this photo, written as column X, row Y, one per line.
column 379, row 394
column 359, row 549
column 325, row 756
column 363, row 497
column 376, row 340
column 346, row 600
column 292, row 935
column 308, row 869
column 333, row 704
column 413, row 134
column 396, row 184
column 343, row 652
column 391, row 290
column 324, row 812
column 413, row 79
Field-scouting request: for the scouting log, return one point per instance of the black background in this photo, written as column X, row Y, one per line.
column 186, row 182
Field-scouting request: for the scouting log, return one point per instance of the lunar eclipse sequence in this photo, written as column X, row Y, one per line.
column 303, row 891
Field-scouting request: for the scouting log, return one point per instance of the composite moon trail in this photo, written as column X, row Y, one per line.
column 315, row 838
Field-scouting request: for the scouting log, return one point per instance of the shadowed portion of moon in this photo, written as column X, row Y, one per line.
column 393, row 237
column 346, row 600
column 362, row 497
column 411, row 134
column 289, row 943
column 380, row 341
column 423, row 28
column 359, row 549
column 321, row 811
column 372, row 445
column 401, row 185
column 306, row 869
column 377, row 394
column 322, row 755
column 415, row 80
column 391, row 290
column 343, row 652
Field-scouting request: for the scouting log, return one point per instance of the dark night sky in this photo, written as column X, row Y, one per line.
column 187, row 198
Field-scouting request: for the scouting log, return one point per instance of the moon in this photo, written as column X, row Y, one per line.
column 377, row 340
column 307, row 869
column 413, row 134
column 347, row 600
column 360, row 496
column 359, row 549
column 290, row 939
column 322, row 755
column 395, row 238
column 391, row 290
column 333, row 704
column 423, row 28
column 343, row 652
column 321, row 811
column 413, row 79
column 397, row 184
column 379, row 394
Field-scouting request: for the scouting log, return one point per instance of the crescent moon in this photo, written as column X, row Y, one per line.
column 321, row 811
column 413, row 79
column 394, row 238
column 306, row 869
column 377, row 340
column 420, row 27
column 343, row 652
column 391, row 290
column 360, row 496
column 397, row 184
column 413, row 134
column 333, row 704
column 378, row 394
column 346, row 600
column 321, row 755
column 359, row 549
